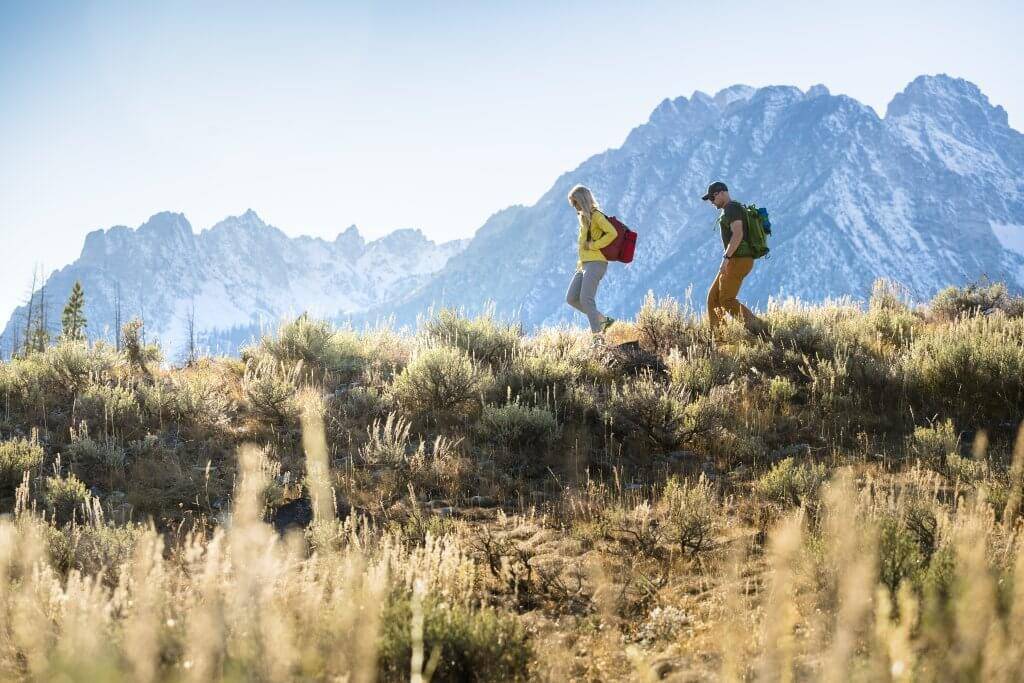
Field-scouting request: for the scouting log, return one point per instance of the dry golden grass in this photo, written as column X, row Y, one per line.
column 840, row 501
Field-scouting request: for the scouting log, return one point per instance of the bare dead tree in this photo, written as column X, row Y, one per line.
column 28, row 314
column 192, row 332
column 142, row 317
column 117, row 316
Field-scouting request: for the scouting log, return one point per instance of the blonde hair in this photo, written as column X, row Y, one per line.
column 582, row 199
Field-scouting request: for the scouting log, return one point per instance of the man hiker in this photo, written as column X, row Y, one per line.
column 737, row 262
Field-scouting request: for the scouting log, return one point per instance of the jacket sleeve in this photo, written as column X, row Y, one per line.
column 607, row 230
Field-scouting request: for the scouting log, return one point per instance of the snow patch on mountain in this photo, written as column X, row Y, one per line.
column 1010, row 235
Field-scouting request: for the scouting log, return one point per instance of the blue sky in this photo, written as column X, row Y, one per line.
column 387, row 115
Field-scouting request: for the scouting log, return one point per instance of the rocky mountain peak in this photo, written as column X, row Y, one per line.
column 942, row 96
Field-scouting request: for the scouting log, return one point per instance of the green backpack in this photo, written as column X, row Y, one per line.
column 758, row 229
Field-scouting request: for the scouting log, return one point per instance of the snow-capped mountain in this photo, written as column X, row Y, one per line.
column 231, row 280
column 930, row 195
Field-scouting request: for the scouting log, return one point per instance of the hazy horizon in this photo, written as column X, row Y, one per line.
column 322, row 116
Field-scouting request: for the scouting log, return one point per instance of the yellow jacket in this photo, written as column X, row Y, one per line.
column 602, row 233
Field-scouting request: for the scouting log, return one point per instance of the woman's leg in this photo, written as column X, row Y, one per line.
column 593, row 271
column 572, row 297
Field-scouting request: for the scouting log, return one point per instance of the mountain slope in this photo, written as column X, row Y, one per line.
column 231, row 279
column 929, row 195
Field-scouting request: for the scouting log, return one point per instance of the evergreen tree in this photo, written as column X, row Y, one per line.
column 73, row 320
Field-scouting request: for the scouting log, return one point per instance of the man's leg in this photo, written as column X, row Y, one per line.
column 729, row 288
column 714, row 304
column 593, row 271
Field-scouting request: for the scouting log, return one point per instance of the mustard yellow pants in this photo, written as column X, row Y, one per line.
column 724, row 290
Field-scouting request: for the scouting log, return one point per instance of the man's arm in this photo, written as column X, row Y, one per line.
column 735, row 239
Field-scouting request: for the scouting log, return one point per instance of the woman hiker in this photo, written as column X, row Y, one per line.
column 596, row 233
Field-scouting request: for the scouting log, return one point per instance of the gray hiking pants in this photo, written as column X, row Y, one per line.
column 583, row 292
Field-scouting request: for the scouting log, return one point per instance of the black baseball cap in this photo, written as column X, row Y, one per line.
column 717, row 186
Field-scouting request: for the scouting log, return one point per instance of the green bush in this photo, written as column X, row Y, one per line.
column 663, row 416
column 315, row 344
column 196, row 398
column 899, row 554
column 699, row 371
column 484, row 338
column 888, row 295
column 65, row 498
column 107, row 453
column 91, row 548
column 474, row 645
column 517, row 427
column 539, row 376
column 441, row 385
column 114, row 407
column 271, row 389
column 17, row 456
column 889, row 313
column 932, row 445
column 971, row 370
column 365, row 403
column 954, row 302
column 691, row 514
column 663, row 324
column 805, row 330
column 387, row 442
column 790, row 483
column 781, row 391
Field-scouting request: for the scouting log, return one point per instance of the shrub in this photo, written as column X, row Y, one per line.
column 484, row 338
column 781, row 391
column 663, row 324
column 541, row 375
column 932, row 445
column 888, row 295
column 662, row 416
column 17, row 456
column 316, row 345
column 91, row 548
column 387, row 442
column 271, row 389
column 107, row 453
column 691, row 514
column 198, row 397
column 110, row 406
column 972, row 371
column 803, row 329
column 899, row 554
column 365, row 403
column 65, row 498
column 954, row 302
column 790, row 483
column 474, row 645
column 441, row 385
column 699, row 372
column 67, row 368
column 889, row 315
column 517, row 427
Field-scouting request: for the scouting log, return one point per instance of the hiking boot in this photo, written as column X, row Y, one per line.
column 608, row 322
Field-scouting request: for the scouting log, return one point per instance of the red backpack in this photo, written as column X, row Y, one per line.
column 624, row 245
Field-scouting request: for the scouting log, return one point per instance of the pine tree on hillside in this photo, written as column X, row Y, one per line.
column 73, row 320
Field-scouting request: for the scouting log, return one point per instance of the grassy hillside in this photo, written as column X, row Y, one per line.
column 838, row 499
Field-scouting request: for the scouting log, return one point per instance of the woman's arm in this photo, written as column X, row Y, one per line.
column 607, row 230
